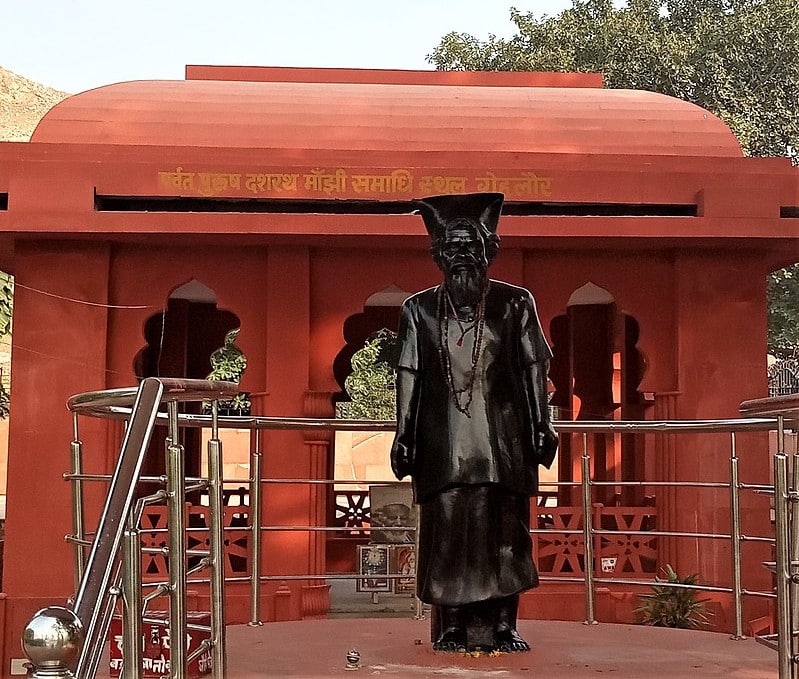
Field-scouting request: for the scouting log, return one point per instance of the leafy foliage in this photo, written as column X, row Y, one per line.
column 5, row 402
column 372, row 383
column 228, row 363
column 6, row 311
column 736, row 58
column 6, row 302
column 783, row 312
column 673, row 606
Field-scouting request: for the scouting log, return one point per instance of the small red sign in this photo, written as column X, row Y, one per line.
column 157, row 646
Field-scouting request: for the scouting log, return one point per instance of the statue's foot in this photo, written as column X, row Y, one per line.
column 452, row 640
column 509, row 641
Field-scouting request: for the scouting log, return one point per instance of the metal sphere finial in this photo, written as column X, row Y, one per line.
column 52, row 641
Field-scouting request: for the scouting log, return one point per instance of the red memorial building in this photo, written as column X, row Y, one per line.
column 145, row 220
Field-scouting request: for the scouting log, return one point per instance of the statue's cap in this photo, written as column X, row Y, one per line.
column 439, row 212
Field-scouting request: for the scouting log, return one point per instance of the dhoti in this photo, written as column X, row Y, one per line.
column 474, row 545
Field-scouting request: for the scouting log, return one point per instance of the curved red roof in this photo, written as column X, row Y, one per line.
column 387, row 117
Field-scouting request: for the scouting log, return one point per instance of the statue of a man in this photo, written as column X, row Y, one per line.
column 472, row 427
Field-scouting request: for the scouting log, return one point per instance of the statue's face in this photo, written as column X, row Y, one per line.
column 462, row 252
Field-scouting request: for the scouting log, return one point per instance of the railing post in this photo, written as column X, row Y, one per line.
column 735, row 537
column 782, row 565
column 176, row 498
column 793, row 564
column 255, row 528
column 78, row 528
column 217, row 546
column 596, row 523
column 418, row 603
column 588, row 544
column 132, row 602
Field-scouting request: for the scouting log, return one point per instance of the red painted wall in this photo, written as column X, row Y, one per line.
column 60, row 348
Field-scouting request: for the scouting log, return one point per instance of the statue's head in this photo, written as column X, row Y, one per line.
column 463, row 231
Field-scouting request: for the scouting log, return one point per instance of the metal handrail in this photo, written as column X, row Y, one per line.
column 115, row 404
column 118, row 404
column 98, row 587
column 93, row 602
column 174, row 389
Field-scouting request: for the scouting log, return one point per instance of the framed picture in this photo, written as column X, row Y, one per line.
column 403, row 562
column 393, row 514
column 373, row 562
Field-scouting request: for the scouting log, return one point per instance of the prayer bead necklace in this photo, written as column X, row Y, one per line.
column 461, row 326
column 443, row 346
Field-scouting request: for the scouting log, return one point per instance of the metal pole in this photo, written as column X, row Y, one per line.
column 793, row 551
column 419, row 605
column 176, row 498
column 735, row 537
column 94, row 599
column 588, row 545
column 255, row 528
column 782, row 566
column 217, row 546
column 132, row 602
column 78, row 528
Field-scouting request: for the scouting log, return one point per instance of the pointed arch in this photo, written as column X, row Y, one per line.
column 179, row 341
column 597, row 370
column 380, row 310
column 590, row 293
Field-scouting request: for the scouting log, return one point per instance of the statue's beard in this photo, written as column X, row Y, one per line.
column 466, row 283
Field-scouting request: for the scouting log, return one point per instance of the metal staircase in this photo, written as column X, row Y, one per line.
column 65, row 642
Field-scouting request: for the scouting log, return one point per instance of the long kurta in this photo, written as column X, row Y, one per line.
column 473, row 475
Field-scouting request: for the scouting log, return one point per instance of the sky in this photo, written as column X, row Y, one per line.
column 76, row 45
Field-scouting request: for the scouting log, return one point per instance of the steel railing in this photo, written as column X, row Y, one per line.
column 769, row 414
column 68, row 642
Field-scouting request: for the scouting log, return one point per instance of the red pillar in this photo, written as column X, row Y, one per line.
column 59, row 350
column 316, row 593
column 721, row 321
column 284, row 453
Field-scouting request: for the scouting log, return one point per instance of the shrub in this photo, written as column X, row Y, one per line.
column 670, row 606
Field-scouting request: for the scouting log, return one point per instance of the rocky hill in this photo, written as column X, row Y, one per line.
column 22, row 104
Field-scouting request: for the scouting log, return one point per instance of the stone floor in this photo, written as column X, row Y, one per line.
column 398, row 647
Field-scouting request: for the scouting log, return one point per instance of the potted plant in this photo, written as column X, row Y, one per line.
column 672, row 605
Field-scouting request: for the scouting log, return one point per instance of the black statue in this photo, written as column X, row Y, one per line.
column 472, row 427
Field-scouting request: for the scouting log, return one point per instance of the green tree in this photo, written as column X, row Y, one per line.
column 228, row 363
column 372, row 384
column 736, row 58
column 783, row 293
column 6, row 302
column 6, row 310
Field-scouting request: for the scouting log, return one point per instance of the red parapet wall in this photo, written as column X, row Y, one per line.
column 394, row 77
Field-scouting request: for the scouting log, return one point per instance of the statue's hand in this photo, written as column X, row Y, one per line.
column 547, row 444
column 401, row 460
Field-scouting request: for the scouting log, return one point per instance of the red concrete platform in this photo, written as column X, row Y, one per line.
column 389, row 647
